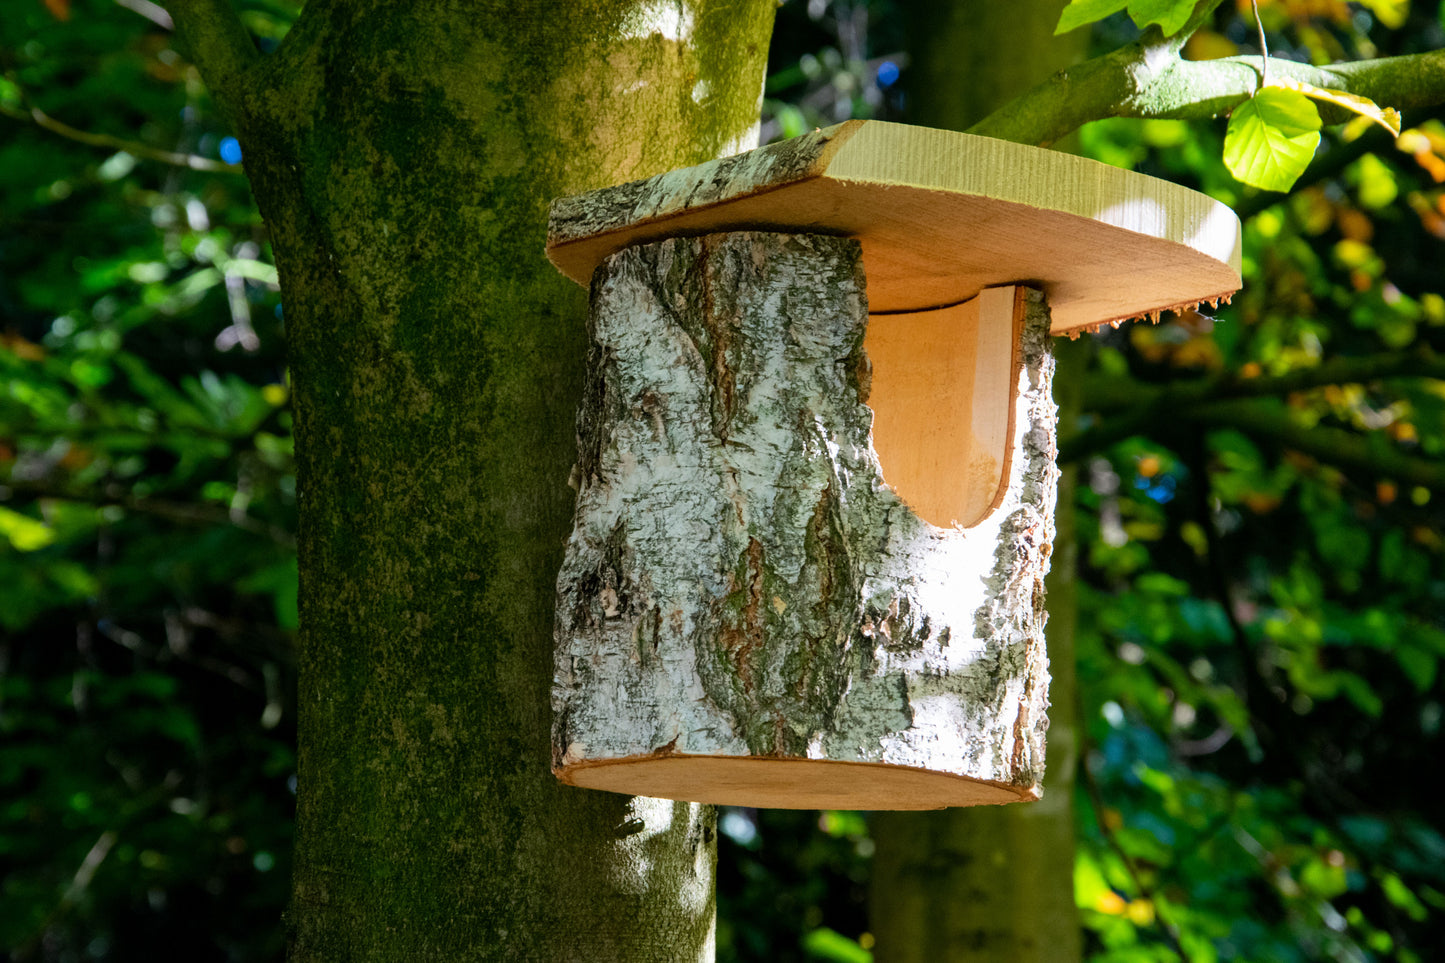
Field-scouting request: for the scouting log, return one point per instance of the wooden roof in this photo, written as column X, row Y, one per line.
column 940, row 216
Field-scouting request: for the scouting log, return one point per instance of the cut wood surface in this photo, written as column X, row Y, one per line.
column 942, row 391
column 747, row 612
column 940, row 216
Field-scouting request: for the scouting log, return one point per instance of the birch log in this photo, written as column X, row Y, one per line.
column 748, row 614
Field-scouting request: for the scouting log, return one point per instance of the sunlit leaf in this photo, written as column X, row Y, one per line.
column 1400, row 895
column 255, row 270
column 1391, row 13
column 1272, row 138
column 24, row 533
column 1170, row 15
column 1326, row 879
column 1209, row 45
column 825, row 944
column 1386, row 117
column 1081, row 12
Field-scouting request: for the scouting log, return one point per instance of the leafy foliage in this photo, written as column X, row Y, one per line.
column 1272, row 138
column 1261, row 630
column 1263, row 572
column 147, row 587
column 1170, row 15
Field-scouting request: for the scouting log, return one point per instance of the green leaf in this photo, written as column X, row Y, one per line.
column 826, row 944
column 1398, row 893
column 1375, row 182
column 1323, row 879
column 280, row 581
column 24, row 533
column 1081, row 12
column 1386, row 117
column 843, row 823
column 1391, row 13
column 1170, row 15
column 1272, row 138
column 1419, row 666
column 1358, row 691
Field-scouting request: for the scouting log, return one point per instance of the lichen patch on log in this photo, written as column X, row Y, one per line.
column 741, row 583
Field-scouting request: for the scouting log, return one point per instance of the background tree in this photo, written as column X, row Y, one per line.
column 991, row 883
column 1183, row 868
column 1259, row 513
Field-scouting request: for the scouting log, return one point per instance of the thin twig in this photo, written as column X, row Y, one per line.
column 187, row 512
column 1263, row 47
column 1113, row 394
column 38, row 117
column 1216, row 570
column 155, row 13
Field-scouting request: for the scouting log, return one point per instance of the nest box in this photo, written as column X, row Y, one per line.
column 816, row 459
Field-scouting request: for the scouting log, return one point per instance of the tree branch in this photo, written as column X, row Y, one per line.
column 1148, row 79
column 38, row 117
column 1369, row 453
column 219, row 45
column 1110, row 394
column 1138, row 409
column 185, row 512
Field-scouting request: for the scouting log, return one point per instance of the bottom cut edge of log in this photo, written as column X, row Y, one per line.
column 783, row 782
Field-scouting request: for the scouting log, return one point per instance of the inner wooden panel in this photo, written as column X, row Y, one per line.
column 943, row 392
column 781, row 783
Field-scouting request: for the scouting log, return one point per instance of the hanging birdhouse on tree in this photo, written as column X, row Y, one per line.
column 816, row 470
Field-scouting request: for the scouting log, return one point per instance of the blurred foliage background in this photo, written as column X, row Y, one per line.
column 1261, row 508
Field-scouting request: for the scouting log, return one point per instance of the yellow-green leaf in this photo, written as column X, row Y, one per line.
column 1081, row 12
column 23, row 532
column 1170, row 15
column 1386, row 117
column 1272, row 138
column 1391, row 13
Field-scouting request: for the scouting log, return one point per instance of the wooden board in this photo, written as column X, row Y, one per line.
column 941, row 216
column 943, row 388
column 783, row 783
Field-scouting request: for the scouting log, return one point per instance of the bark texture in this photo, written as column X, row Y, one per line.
column 996, row 884
column 742, row 584
column 403, row 155
column 993, row 885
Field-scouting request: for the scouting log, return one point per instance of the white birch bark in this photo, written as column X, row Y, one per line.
column 747, row 613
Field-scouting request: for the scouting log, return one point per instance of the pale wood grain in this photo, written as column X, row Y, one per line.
column 941, row 216
column 943, row 389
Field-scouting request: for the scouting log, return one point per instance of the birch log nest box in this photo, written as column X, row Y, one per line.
column 816, row 459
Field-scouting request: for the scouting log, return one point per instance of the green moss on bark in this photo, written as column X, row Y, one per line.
column 403, row 155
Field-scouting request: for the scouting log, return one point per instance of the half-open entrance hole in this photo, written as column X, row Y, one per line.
column 943, row 392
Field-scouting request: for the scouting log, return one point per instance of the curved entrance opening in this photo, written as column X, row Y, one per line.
column 943, row 392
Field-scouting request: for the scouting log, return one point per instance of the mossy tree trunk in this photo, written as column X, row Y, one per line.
column 991, row 883
column 403, row 155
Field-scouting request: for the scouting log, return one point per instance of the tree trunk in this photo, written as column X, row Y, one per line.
column 748, row 612
column 990, row 884
column 970, row 57
column 986, row 884
column 403, row 155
